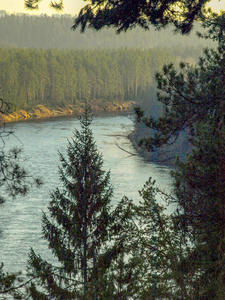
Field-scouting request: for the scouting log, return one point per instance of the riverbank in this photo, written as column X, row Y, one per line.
column 41, row 111
column 166, row 155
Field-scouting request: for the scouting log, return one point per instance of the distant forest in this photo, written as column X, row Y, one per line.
column 58, row 77
column 42, row 61
column 55, row 32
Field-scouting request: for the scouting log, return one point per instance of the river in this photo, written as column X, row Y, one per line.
column 20, row 219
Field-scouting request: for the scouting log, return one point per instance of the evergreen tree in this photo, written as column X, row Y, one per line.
column 200, row 191
column 193, row 100
column 190, row 95
column 78, row 222
column 150, row 249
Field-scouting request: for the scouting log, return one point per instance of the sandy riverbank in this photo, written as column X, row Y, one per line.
column 41, row 111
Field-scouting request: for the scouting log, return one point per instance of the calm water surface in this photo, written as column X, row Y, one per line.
column 20, row 219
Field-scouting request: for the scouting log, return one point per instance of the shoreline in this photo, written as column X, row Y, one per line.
column 166, row 155
column 41, row 111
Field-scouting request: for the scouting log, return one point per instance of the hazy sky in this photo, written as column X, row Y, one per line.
column 13, row 6
column 71, row 6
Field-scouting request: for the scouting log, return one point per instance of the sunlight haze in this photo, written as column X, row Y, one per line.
column 17, row 6
column 70, row 6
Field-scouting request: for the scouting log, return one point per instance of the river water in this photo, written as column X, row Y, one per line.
column 20, row 219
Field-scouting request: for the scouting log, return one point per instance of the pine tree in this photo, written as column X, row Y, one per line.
column 193, row 100
column 77, row 226
column 200, row 190
column 190, row 94
column 128, row 14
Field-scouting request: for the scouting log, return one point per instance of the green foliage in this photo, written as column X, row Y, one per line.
column 34, row 4
column 54, row 77
column 148, row 249
column 14, row 179
column 124, row 15
column 45, row 32
column 6, row 281
column 77, row 227
column 12, row 285
column 199, row 189
column 193, row 99
column 31, row 4
column 128, row 14
column 189, row 95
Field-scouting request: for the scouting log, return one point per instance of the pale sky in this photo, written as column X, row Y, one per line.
column 71, row 6
column 17, row 6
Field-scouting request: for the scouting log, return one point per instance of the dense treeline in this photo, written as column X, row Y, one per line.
column 55, row 77
column 138, row 251
column 55, row 32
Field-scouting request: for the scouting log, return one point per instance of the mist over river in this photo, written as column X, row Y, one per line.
column 20, row 219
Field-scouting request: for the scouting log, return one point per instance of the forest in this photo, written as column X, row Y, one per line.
column 54, row 77
column 55, row 32
column 44, row 62
column 133, row 250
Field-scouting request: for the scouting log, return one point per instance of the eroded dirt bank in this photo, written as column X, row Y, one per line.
column 40, row 111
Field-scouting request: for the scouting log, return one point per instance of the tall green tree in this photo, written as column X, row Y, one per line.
column 191, row 94
column 193, row 100
column 200, row 190
column 77, row 226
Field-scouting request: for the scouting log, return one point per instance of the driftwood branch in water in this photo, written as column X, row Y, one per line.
column 133, row 154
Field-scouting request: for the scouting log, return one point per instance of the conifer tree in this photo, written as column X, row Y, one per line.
column 150, row 249
column 76, row 228
column 190, row 94
column 199, row 192
column 193, row 100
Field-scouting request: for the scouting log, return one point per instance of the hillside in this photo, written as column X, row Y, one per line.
column 55, row 32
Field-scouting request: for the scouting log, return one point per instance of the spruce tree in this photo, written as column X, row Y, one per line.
column 76, row 228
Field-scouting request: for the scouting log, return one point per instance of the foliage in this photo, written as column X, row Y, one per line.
column 34, row 4
column 193, row 99
column 77, row 226
column 7, row 284
column 178, row 255
column 127, row 14
column 54, row 77
column 13, row 285
column 189, row 95
column 45, row 32
column 156, row 255
column 199, row 190
column 14, row 180
column 148, row 249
